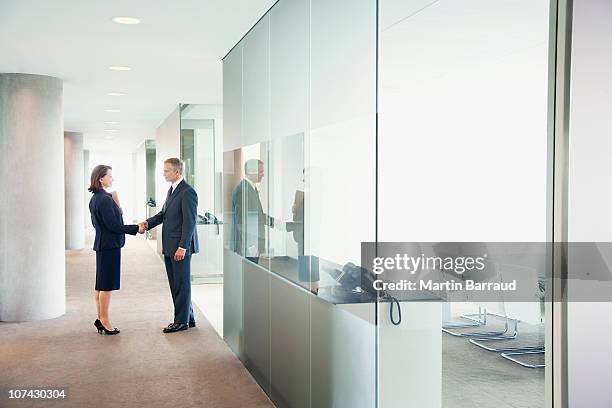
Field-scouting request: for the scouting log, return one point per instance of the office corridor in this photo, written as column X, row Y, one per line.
column 139, row 367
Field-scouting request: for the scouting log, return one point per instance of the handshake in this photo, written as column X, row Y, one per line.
column 142, row 227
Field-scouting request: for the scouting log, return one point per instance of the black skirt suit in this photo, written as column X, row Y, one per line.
column 110, row 238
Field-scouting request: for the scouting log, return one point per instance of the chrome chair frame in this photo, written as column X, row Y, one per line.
column 481, row 320
column 494, row 335
column 508, row 356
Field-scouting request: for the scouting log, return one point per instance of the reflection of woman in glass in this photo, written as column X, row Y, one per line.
column 308, row 266
column 297, row 226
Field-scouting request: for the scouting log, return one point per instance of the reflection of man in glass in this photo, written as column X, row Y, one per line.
column 248, row 217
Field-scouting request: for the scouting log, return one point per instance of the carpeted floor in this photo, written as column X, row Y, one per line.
column 474, row 377
column 141, row 367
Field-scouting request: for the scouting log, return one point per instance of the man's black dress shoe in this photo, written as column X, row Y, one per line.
column 192, row 323
column 176, row 327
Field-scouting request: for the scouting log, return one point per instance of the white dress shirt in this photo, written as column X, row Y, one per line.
column 176, row 183
column 252, row 184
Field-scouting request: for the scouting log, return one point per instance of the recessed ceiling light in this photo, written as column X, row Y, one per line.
column 119, row 68
column 111, row 123
column 109, row 137
column 113, row 110
column 126, row 20
column 115, row 94
column 110, row 130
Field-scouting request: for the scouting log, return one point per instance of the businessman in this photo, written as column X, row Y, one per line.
column 248, row 217
column 179, row 242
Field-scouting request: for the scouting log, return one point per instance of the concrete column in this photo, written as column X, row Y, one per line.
column 74, row 187
column 32, row 257
column 87, row 194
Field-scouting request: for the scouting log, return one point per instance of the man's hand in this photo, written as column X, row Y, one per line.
column 142, row 227
column 179, row 255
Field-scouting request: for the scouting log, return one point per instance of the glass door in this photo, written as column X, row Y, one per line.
column 200, row 125
column 463, row 172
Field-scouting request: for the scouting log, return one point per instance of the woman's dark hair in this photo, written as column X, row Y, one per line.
column 98, row 172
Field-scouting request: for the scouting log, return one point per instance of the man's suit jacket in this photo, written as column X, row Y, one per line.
column 248, row 219
column 107, row 220
column 179, row 218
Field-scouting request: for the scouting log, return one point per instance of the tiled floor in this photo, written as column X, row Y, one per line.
column 209, row 298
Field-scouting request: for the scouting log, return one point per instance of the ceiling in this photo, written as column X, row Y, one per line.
column 175, row 55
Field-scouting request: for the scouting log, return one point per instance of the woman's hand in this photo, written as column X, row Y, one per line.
column 142, row 227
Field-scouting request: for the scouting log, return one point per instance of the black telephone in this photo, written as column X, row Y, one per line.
column 207, row 218
column 210, row 219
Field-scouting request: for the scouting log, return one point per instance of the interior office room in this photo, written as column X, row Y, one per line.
column 319, row 136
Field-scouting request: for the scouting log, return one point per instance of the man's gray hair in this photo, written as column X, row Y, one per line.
column 177, row 164
column 252, row 166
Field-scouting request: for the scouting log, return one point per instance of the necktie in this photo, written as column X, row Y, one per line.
column 168, row 197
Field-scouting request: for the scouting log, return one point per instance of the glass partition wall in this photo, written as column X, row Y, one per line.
column 355, row 121
column 463, row 145
column 298, row 201
column 201, row 140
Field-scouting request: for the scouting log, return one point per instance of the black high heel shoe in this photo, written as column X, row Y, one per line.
column 101, row 328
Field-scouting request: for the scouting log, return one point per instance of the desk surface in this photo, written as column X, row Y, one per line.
column 329, row 289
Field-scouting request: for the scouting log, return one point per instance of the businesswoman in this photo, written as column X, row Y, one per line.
column 110, row 237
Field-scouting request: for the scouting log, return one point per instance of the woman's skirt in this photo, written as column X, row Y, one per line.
column 108, row 269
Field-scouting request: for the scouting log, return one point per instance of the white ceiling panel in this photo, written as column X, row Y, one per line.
column 175, row 55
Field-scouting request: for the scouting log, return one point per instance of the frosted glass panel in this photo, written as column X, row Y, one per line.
column 256, row 85
column 340, row 173
column 289, row 67
column 343, row 60
column 299, row 197
column 232, row 98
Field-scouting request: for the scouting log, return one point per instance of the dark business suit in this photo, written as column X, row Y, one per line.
column 246, row 206
column 179, row 218
column 110, row 237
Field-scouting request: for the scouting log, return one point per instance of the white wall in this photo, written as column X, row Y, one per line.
column 167, row 144
column 123, row 173
column 590, row 197
column 139, row 159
